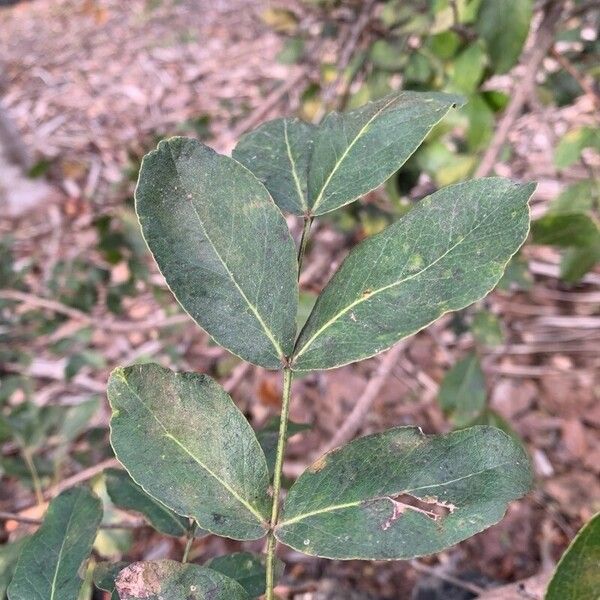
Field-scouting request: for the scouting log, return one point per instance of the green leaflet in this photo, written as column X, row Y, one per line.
column 170, row 580
column 577, row 575
column 223, row 247
column 504, row 27
column 447, row 252
column 576, row 262
column 566, row 230
column 462, row 394
column 246, row 568
column 127, row 494
column 401, row 494
column 278, row 153
column 183, row 440
column 356, row 151
column 50, row 564
column 568, row 150
column 314, row 170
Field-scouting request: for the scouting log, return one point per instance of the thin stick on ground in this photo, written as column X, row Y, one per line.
column 8, row 516
column 542, row 42
column 339, row 87
column 105, row 324
column 363, row 405
column 80, row 477
column 465, row 585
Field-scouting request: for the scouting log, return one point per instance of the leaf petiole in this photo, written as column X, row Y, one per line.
column 281, row 442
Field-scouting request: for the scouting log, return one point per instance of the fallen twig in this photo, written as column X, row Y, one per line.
column 542, row 42
column 355, row 419
column 436, row 572
column 105, row 324
column 8, row 516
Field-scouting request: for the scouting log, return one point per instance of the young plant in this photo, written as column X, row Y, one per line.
column 215, row 228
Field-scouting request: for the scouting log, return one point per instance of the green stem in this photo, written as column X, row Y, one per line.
column 190, row 540
column 281, row 442
column 37, row 484
column 304, row 241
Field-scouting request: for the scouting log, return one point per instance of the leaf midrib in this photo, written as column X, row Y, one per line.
column 342, row 158
column 391, row 285
column 293, row 165
column 266, row 329
column 335, row 507
column 169, row 435
column 62, row 546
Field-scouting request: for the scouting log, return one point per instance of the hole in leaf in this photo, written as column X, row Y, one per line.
column 430, row 506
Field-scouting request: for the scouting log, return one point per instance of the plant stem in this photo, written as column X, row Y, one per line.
column 281, row 442
column 37, row 484
column 304, row 241
column 190, row 540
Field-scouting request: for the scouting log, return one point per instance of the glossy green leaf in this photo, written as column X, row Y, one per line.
column 577, row 575
column 447, row 252
column 50, row 564
column 223, row 247
column 565, row 229
column 504, row 26
column 462, row 394
column 247, row 569
column 9, row 554
column 356, row 151
column 278, row 153
column 127, row 494
column 401, row 494
column 170, row 580
column 105, row 574
column 206, row 461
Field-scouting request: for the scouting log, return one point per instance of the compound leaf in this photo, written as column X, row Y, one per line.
column 401, row 494
column 183, row 440
column 447, row 252
column 356, row 151
column 247, row 569
column 577, row 575
column 168, row 579
column 127, row 494
column 223, row 247
column 462, row 393
column 278, row 153
column 50, row 564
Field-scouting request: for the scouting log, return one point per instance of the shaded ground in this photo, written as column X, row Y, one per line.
column 90, row 84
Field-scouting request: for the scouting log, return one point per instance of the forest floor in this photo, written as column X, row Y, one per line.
column 91, row 85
